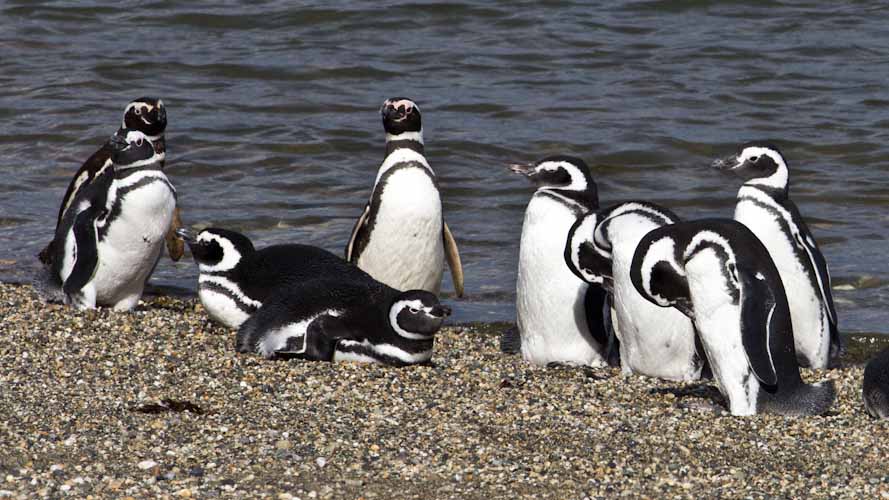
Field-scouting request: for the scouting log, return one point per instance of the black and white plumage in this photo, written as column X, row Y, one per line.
column 111, row 236
column 719, row 274
column 236, row 279
column 875, row 387
column 147, row 115
column 764, row 206
column 654, row 341
column 340, row 318
column 401, row 238
column 559, row 317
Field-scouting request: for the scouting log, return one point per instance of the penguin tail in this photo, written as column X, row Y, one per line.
column 804, row 400
column 511, row 341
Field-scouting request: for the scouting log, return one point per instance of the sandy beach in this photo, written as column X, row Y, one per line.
column 155, row 403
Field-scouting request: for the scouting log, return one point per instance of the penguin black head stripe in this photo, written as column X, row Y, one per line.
column 217, row 250
column 400, row 115
column 417, row 314
column 147, row 115
column 758, row 160
column 583, row 258
column 564, row 176
column 658, row 274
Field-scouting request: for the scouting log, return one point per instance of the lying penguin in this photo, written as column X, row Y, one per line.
column 111, row 235
column 875, row 389
column 654, row 341
column 235, row 278
column 341, row 318
column 719, row 274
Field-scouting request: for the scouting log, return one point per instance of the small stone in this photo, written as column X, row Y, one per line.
column 146, row 464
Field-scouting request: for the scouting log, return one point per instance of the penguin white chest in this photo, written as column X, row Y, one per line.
column 549, row 298
column 405, row 248
column 811, row 329
column 140, row 213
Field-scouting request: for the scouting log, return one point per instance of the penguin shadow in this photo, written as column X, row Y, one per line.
column 587, row 371
column 697, row 397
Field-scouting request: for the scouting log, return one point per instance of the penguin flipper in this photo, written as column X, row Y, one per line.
column 595, row 302
column 83, row 178
column 85, row 254
column 758, row 325
column 319, row 341
column 807, row 243
column 175, row 244
column 359, row 236
column 453, row 256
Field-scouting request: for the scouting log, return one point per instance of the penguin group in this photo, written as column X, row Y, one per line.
column 745, row 300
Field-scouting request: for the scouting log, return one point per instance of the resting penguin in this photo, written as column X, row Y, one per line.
column 875, row 389
column 338, row 318
column 719, row 274
column 764, row 206
column 111, row 236
column 236, row 279
column 147, row 115
column 654, row 341
column 559, row 317
column 401, row 238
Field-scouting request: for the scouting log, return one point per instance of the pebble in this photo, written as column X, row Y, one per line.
column 451, row 429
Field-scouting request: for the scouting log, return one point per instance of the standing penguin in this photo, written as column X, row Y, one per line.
column 110, row 238
column 559, row 316
column 401, row 237
column 236, row 279
column 654, row 341
column 719, row 274
column 342, row 318
column 764, row 206
column 147, row 115
column 875, row 388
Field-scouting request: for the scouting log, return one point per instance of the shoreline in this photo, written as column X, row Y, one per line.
column 155, row 403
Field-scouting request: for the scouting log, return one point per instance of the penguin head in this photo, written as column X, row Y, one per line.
column 758, row 163
column 582, row 255
column 401, row 116
column 657, row 272
column 217, row 250
column 417, row 315
column 147, row 115
column 566, row 176
column 132, row 149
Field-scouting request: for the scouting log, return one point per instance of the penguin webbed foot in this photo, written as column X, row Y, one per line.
column 696, row 397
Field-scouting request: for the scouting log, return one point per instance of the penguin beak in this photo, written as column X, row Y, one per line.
column 117, row 143
column 523, row 169
column 727, row 163
column 441, row 311
column 186, row 235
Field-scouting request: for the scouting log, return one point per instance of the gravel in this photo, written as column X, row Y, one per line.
column 155, row 403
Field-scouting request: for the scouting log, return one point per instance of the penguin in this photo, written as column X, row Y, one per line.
column 764, row 206
column 401, row 238
column 337, row 318
column 654, row 341
column 236, row 279
column 111, row 236
column 560, row 319
column 147, row 115
column 720, row 275
column 875, row 389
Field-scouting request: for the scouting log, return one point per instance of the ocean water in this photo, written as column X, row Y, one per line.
column 274, row 127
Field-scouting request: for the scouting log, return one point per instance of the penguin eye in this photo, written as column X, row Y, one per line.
column 754, row 159
column 414, row 310
column 139, row 142
column 138, row 111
